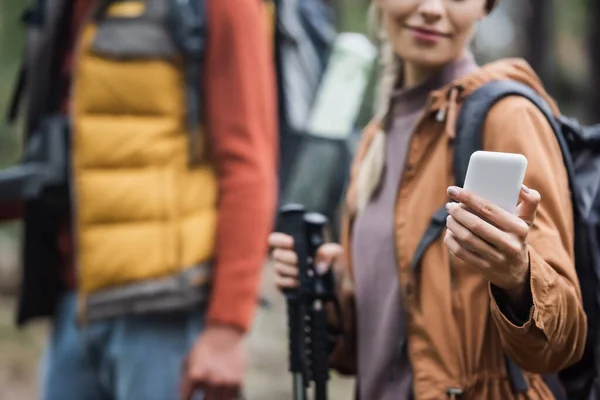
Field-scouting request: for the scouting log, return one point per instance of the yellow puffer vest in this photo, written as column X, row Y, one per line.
column 142, row 213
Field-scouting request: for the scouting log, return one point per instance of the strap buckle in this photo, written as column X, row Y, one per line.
column 454, row 393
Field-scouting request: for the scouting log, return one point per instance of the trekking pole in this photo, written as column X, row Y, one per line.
column 321, row 293
column 291, row 221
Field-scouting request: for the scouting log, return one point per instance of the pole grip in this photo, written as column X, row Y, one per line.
column 319, row 340
column 291, row 222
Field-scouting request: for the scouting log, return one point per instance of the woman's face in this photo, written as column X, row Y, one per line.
column 430, row 33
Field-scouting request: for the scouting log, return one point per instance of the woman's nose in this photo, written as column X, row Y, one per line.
column 431, row 10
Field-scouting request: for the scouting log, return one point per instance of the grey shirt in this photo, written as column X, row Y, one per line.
column 383, row 374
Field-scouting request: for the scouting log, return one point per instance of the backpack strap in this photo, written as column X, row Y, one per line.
column 469, row 138
column 471, row 120
column 433, row 232
column 189, row 28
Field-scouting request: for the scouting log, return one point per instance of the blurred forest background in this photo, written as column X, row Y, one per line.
column 557, row 37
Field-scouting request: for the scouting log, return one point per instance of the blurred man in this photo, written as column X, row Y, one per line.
column 172, row 190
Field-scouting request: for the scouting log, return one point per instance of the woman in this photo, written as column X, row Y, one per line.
column 496, row 285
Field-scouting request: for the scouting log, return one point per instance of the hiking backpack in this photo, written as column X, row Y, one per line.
column 580, row 147
column 304, row 36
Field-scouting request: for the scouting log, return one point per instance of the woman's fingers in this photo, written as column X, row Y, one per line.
column 478, row 229
column 285, row 256
column 505, row 242
column 283, row 282
column 490, row 212
column 286, row 260
column 281, row 240
column 327, row 254
column 463, row 253
column 286, row 270
column 469, row 240
column 530, row 200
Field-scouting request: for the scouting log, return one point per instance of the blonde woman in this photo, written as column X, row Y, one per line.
column 494, row 286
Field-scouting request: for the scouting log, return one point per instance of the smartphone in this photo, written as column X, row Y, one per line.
column 497, row 177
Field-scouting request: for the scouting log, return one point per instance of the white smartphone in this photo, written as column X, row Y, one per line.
column 497, row 177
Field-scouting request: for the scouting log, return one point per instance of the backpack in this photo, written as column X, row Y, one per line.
column 303, row 40
column 580, row 147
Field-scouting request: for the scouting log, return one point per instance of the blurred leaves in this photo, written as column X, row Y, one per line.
column 12, row 38
column 571, row 22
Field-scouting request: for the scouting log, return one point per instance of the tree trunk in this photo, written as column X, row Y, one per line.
column 539, row 51
column 593, row 104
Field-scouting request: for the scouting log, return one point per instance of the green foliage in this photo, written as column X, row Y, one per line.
column 12, row 37
column 353, row 15
column 572, row 16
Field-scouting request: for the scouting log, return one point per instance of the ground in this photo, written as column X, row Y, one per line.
column 268, row 378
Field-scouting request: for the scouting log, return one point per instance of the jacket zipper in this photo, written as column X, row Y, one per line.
column 409, row 285
column 418, row 123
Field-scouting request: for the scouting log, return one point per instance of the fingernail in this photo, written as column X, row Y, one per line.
column 526, row 189
column 321, row 268
column 449, row 207
column 453, row 191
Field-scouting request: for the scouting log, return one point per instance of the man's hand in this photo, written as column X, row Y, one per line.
column 491, row 240
column 215, row 365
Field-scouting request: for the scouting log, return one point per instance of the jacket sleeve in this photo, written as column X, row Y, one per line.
column 241, row 120
column 554, row 334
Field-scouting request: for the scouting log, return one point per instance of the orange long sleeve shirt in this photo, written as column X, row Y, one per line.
column 241, row 117
column 241, row 114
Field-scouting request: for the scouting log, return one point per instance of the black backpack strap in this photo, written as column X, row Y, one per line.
column 189, row 28
column 555, row 386
column 517, row 378
column 471, row 120
column 433, row 232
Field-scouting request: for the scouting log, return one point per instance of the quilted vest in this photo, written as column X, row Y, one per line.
column 142, row 211
column 143, row 195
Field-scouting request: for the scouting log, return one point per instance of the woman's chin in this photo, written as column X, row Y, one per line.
column 426, row 60
column 430, row 58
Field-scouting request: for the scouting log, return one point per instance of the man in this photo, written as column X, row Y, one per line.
column 164, row 197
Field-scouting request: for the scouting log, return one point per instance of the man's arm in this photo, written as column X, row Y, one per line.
column 241, row 120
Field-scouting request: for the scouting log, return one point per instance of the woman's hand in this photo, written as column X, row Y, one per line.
column 286, row 260
column 492, row 240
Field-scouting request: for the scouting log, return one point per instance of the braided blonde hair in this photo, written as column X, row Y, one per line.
column 371, row 167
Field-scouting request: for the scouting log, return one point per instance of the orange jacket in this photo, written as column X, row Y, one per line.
column 457, row 334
